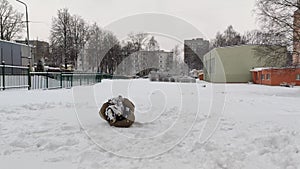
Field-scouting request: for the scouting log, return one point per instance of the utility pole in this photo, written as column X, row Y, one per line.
column 27, row 25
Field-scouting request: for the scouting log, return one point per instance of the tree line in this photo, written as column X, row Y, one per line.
column 268, row 47
column 276, row 35
column 71, row 34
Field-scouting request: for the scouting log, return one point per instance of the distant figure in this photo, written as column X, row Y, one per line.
column 40, row 66
column 118, row 112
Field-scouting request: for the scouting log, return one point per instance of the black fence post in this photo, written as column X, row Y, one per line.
column 3, row 75
column 47, row 80
column 61, row 79
column 72, row 79
column 29, row 78
column 80, row 80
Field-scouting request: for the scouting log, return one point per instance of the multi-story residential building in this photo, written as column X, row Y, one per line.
column 146, row 60
column 194, row 50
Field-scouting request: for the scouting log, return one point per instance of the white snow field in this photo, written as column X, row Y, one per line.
column 178, row 126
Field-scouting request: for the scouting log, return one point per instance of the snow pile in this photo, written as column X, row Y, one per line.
column 259, row 127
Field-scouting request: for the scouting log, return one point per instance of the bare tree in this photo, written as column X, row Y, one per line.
column 276, row 16
column 139, row 40
column 230, row 37
column 254, row 37
column 69, row 34
column 271, row 55
column 103, row 50
column 11, row 23
column 268, row 48
column 61, row 38
column 111, row 53
column 95, row 47
column 178, row 67
column 79, row 34
column 277, row 21
column 219, row 40
column 152, row 45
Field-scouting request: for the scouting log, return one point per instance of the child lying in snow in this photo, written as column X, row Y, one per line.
column 118, row 112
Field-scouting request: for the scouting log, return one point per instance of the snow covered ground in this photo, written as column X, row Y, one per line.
column 258, row 127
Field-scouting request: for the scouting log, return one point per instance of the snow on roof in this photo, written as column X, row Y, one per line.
column 266, row 68
column 259, row 69
column 16, row 43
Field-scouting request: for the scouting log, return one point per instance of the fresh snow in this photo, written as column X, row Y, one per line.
column 179, row 125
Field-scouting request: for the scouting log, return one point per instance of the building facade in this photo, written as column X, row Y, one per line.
column 146, row 60
column 276, row 76
column 15, row 54
column 296, row 44
column 231, row 64
column 287, row 75
column 194, row 50
column 40, row 50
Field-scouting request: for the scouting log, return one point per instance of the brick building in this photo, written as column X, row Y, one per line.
column 276, row 76
column 296, row 45
column 287, row 75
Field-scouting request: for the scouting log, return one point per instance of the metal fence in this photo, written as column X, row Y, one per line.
column 54, row 80
column 14, row 77
column 21, row 77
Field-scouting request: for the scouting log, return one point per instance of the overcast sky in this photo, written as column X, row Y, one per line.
column 207, row 16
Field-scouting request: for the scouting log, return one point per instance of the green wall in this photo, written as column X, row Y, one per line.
column 232, row 64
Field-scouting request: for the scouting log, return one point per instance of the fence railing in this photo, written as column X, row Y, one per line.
column 14, row 77
column 21, row 77
column 54, row 80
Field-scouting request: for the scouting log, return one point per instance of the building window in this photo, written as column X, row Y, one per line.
column 262, row 77
column 268, row 77
column 298, row 77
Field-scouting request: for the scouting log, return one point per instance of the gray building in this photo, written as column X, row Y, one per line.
column 142, row 61
column 40, row 50
column 14, row 53
column 194, row 50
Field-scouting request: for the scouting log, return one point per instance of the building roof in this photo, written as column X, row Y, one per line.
column 259, row 69
column 155, row 51
column 268, row 68
column 12, row 42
